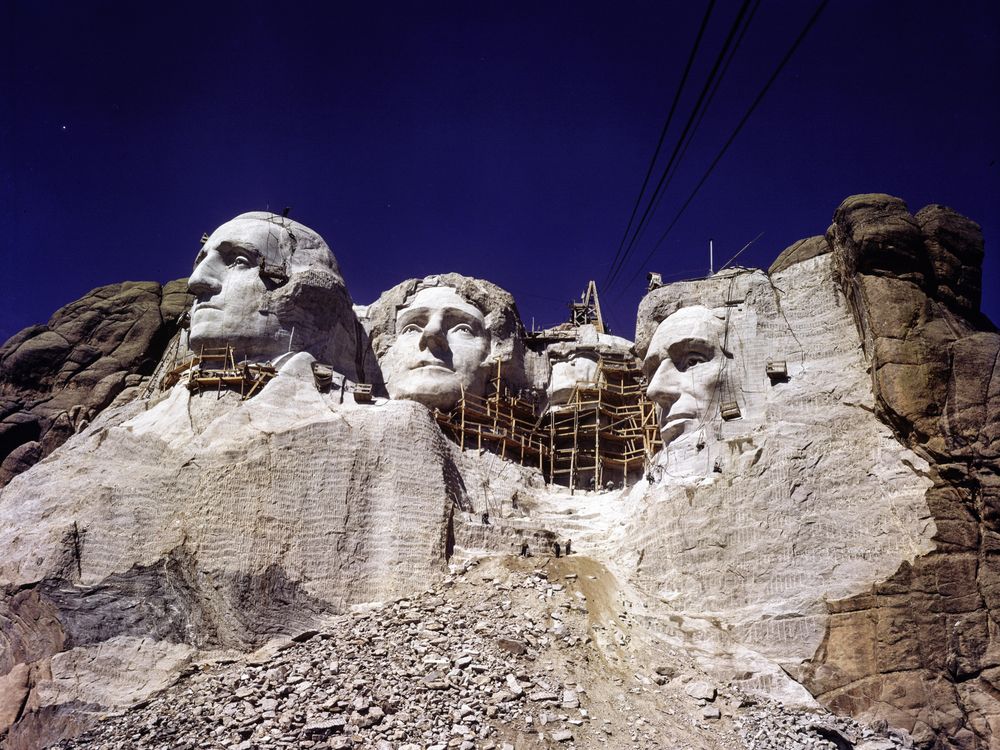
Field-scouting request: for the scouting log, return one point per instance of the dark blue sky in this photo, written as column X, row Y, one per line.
column 500, row 140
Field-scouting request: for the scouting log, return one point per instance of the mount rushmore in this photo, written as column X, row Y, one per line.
column 793, row 472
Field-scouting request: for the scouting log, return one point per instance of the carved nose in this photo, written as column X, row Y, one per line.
column 204, row 282
column 433, row 336
column 664, row 387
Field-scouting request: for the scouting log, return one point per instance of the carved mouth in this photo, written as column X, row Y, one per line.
column 432, row 366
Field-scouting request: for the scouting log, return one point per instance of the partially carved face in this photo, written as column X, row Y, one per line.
column 440, row 349
column 579, row 367
column 684, row 368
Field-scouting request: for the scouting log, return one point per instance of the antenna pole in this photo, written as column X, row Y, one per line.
column 711, row 259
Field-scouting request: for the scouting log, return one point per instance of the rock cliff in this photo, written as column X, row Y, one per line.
column 920, row 647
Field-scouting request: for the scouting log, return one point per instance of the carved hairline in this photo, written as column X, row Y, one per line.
column 658, row 321
column 292, row 236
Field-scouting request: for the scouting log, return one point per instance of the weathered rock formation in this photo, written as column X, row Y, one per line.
column 206, row 524
column 920, row 648
column 56, row 377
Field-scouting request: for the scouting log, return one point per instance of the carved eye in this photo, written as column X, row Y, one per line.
column 240, row 261
column 692, row 359
column 462, row 328
column 411, row 328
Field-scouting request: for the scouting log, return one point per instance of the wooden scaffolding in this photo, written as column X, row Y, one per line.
column 606, row 432
column 503, row 422
column 217, row 370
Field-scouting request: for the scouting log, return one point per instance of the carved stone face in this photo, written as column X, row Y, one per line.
column 684, row 367
column 440, row 349
column 265, row 316
column 567, row 373
column 230, row 296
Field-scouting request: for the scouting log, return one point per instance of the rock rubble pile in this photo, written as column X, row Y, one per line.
column 491, row 659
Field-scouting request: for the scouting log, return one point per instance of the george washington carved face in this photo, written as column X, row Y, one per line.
column 303, row 307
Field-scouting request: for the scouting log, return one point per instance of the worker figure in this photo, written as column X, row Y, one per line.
column 524, row 550
column 569, row 543
column 555, row 546
column 486, row 519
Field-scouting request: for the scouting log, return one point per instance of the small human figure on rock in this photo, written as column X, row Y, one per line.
column 524, row 550
column 569, row 543
column 555, row 546
column 486, row 519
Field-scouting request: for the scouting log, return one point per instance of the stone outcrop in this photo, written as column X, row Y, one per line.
column 55, row 378
column 920, row 649
column 798, row 252
column 756, row 522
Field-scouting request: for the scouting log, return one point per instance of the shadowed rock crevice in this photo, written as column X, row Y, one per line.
column 170, row 601
column 174, row 601
column 49, row 724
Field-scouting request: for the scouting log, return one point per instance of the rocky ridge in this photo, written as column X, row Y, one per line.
column 848, row 531
column 55, row 378
column 932, row 658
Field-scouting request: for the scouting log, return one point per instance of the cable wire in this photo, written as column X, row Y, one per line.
column 760, row 96
column 687, row 127
column 705, row 108
column 663, row 135
column 715, row 89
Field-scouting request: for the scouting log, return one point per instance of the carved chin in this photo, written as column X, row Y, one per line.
column 203, row 330
column 432, row 386
column 676, row 428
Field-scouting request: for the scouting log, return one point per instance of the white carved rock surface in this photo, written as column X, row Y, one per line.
column 213, row 523
column 806, row 498
column 845, row 519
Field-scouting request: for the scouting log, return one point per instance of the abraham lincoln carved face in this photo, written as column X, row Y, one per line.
column 683, row 366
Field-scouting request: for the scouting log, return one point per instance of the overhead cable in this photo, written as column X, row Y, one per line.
column 687, row 128
column 760, row 96
column 663, row 135
column 715, row 88
column 708, row 103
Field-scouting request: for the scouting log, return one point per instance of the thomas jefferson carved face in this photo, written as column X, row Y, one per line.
column 440, row 349
column 684, row 367
column 256, row 313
